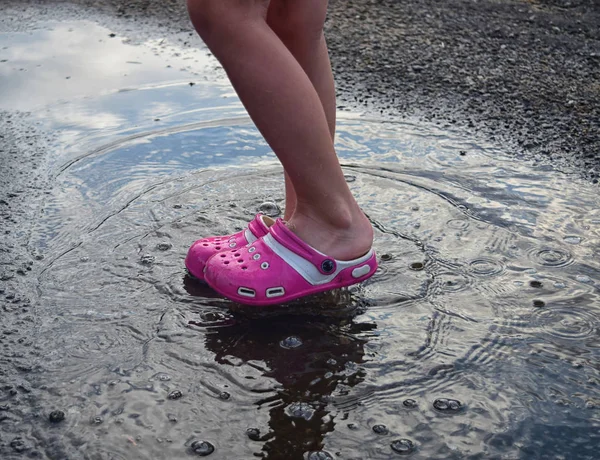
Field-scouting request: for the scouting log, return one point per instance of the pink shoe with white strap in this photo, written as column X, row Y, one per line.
column 280, row 267
column 204, row 249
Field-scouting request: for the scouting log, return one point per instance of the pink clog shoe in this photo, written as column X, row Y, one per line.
column 204, row 249
column 280, row 267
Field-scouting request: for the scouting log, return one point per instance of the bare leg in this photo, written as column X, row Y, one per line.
column 299, row 25
column 286, row 108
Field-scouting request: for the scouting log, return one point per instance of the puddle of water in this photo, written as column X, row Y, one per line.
column 478, row 337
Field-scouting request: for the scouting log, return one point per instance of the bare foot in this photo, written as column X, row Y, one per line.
column 349, row 241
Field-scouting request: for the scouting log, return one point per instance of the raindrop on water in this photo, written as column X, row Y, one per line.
column 202, row 448
column 289, row 343
column 380, row 429
column 269, row 208
column 403, row 446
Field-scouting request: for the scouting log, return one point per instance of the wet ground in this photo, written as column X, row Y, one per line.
column 478, row 338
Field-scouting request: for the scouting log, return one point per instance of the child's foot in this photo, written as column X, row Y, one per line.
column 204, row 249
column 281, row 267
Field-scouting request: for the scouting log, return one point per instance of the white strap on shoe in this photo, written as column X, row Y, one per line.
column 311, row 273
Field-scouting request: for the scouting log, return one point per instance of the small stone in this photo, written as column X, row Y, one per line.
column 147, row 260
column 175, row 394
column 539, row 303
column 56, row 416
column 289, row 343
column 300, row 410
column 112, row 35
column 409, row 403
column 380, row 429
column 224, row 396
column 536, row 284
column 417, row 266
column 403, row 446
column 97, row 420
column 269, row 209
column 319, row 455
column 164, row 246
column 253, row 434
column 202, row 448
column 447, row 405
column 385, row 257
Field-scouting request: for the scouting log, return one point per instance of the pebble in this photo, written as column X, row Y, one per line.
column 202, row 448
column 253, row 434
column 380, row 429
column 403, row 446
column 319, row 455
column 175, row 394
column 289, row 343
column 447, row 405
column 56, row 416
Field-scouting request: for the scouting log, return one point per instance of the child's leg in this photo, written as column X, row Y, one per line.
column 299, row 25
column 286, row 108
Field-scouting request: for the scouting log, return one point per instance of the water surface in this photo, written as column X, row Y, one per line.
column 477, row 338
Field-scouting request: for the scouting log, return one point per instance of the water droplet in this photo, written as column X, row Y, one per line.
column 380, row 429
column 269, row 208
column 300, row 410
column 458, row 224
column 175, row 394
column 56, row 416
column 289, row 343
column 486, row 267
column 202, row 448
column 447, row 405
column 164, row 246
column 572, row 239
column 147, row 260
column 320, row 455
column 349, row 178
column 403, row 446
column 410, row 403
column 162, row 376
column 552, row 257
column 18, row 445
column 583, row 279
column 573, row 323
column 253, row 434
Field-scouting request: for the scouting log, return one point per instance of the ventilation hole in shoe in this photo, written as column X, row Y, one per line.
column 232, row 245
column 264, row 265
column 223, row 255
column 240, row 260
column 226, row 262
column 204, row 244
column 251, row 249
column 218, row 248
column 244, row 267
column 256, row 256
column 275, row 292
column 246, row 292
column 237, row 254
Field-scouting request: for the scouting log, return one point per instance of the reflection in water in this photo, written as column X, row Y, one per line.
column 325, row 358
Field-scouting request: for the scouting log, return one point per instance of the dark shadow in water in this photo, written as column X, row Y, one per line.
column 319, row 356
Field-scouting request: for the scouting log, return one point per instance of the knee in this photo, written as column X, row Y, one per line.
column 210, row 16
column 297, row 20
